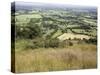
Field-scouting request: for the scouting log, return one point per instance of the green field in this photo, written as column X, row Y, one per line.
column 26, row 17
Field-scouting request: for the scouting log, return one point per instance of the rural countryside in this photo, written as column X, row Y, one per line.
column 53, row 37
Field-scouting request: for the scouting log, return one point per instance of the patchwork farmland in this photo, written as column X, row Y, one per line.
column 50, row 37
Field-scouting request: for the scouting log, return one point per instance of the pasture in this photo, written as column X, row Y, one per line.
column 27, row 17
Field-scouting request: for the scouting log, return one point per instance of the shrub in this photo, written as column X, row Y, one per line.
column 92, row 41
column 62, row 44
column 51, row 43
column 70, row 44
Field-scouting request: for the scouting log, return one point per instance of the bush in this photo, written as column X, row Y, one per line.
column 92, row 40
column 62, row 44
column 24, row 44
column 51, row 43
column 38, row 43
column 70, row 44
column 54, row 43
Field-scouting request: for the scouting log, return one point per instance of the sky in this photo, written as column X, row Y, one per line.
column 73, row 2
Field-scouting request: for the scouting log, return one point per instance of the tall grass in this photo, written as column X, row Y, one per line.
column 53, row 59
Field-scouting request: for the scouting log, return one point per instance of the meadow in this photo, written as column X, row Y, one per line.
column 74, row 57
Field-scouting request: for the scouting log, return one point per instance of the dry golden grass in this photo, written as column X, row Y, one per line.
column 55, row 59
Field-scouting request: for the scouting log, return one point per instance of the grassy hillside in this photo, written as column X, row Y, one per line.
column 53, row 59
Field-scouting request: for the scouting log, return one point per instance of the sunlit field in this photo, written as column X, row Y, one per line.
column 56, row 59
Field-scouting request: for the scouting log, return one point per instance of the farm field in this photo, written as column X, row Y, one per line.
column 49, row 37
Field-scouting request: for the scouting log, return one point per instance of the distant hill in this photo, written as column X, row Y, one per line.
column 19, row 5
